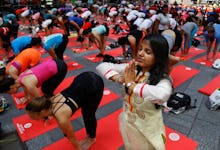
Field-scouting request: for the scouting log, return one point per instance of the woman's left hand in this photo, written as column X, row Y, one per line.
column 130, row 72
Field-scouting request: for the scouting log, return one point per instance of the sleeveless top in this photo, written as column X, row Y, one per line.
column 100, row 29
column 43, row 72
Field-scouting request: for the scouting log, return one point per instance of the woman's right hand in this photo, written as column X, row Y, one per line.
column 130, row 72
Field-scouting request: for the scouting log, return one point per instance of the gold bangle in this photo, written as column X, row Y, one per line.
column 117, row 78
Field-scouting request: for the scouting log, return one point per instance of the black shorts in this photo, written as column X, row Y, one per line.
column 107, row 30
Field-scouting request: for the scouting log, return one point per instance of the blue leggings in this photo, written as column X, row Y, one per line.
column 193, row 32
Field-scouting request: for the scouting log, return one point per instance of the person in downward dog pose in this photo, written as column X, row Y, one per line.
column 85, row 92
column 49, row 74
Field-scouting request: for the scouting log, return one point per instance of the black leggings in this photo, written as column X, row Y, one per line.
column 62, row 47
column 87, row 91
column 49, row 86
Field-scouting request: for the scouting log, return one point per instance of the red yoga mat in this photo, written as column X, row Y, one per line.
column 115, row 52
column 83, row 49
column 192, row 53
column 182, row 73
column 17, row 100
column 57, row 30
column 203, row 61
column 3, row 53
column 21, row 33
column 115, row 36
column 108, row 135
column 65, row 57
column 177, row 141
column 209, row 88
column 42, row 51
column 73, row 65
column 37, row 127
column 65, row 83
column 72, row 42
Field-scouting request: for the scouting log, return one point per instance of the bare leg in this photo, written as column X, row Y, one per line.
column 214, row 51
column 208, row 45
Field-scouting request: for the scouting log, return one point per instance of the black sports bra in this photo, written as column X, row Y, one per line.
column 68, row 101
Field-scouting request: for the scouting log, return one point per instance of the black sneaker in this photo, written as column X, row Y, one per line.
column 100, row 55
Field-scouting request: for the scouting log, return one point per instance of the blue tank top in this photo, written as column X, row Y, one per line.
column 53, row 40
column 100, row 29
column 19, row 43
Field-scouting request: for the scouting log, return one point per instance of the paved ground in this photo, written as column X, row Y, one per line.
column 200, row 124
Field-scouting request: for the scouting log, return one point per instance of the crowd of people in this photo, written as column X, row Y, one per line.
column 152, row 37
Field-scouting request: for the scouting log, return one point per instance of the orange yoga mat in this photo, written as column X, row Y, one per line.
column 192, row 53
column 73, row 65
column 28, row 128
column 203, row 61
column 212, row 85
column 182, row 73
column 109, row 137
column 114, row 52
column 65, row 57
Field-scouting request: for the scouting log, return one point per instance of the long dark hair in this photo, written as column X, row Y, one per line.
column 38, row 104
column 5, row 84
column 160, row 49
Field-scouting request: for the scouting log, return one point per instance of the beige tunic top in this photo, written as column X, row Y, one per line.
column 139, row 116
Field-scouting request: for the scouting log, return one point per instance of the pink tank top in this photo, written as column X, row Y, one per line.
column 43, row 71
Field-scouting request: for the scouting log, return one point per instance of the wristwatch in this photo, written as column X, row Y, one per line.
column 129, row 84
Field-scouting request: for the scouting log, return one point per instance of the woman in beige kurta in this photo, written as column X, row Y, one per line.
column 146, row 87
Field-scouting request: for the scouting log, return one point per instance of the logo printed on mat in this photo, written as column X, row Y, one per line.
column 19, row 100
column 203, row 63
column 106, row 92
column 188, row 68
column 174, row 136
column 91, row 58
column 75, row 64
column 27, row 125
column 20, row 128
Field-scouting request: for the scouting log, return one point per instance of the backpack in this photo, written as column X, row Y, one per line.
column 214, row 100
column 179, row 102
column 109, row 58
column 195, row 42
column 3, row 104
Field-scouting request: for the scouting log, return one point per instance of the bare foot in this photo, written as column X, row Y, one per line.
column 206, row 58
column 86, row 143
column 83, row 141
